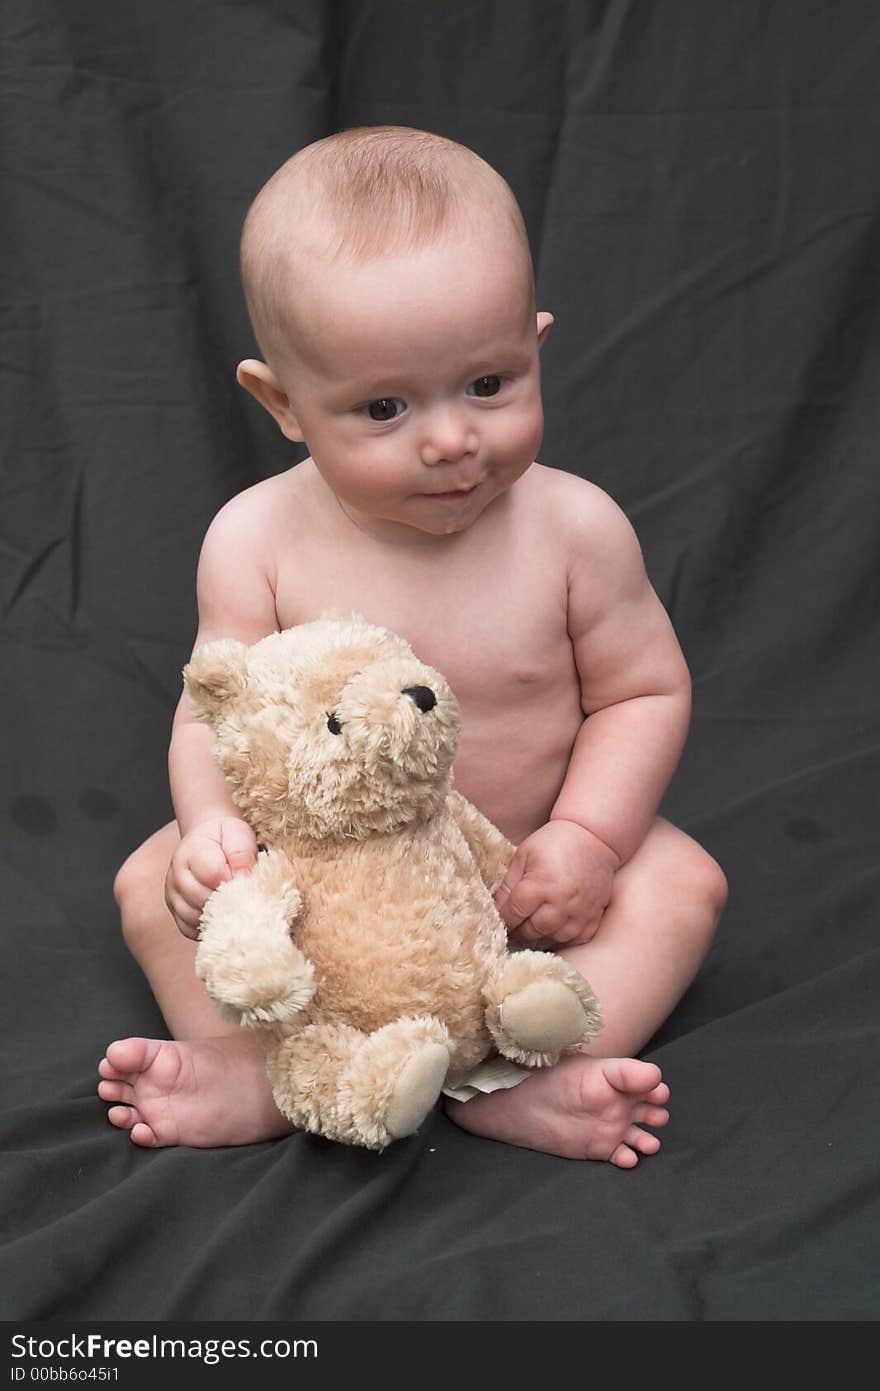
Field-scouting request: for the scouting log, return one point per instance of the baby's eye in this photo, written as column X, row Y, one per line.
column 386, row 408
column 485, row 386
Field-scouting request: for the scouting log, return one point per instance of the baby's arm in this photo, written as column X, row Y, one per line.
column 236, row 599
column 635, row 692
column 635, row 685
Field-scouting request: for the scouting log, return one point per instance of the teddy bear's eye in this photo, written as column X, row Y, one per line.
column 333, row 725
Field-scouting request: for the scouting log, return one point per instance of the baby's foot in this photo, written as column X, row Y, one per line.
column 207, row 1093
column 583, row 1108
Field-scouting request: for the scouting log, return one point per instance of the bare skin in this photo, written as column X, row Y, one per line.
column 179, row 1093
column 510, row 589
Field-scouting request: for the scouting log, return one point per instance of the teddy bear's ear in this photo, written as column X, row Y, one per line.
column 215, row 674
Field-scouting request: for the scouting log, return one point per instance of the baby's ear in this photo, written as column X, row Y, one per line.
column 264, row 386
column 215, row 674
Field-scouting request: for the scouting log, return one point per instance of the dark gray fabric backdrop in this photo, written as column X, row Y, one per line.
column 702, row 190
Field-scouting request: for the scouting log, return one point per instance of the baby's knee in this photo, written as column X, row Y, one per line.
column 704, row 883
column 132, row 877
column 711, row 884
column 139, row 886
column 689, row 880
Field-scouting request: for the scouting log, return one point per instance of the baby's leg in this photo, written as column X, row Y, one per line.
column 165, row 956
column 209, row 1089
column 651, row 941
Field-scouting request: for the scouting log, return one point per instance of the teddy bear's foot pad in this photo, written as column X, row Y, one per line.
column 391, row 1080
column 416, row 1090
column 543, row 1017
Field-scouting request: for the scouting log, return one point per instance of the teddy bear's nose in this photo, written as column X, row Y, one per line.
column 423, row 696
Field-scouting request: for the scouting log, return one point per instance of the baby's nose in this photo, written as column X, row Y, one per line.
column 423, row 696
column 449, row 437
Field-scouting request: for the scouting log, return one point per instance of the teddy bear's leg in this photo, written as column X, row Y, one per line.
column 252, row 971
column 363, row 1089
column 538, row 1006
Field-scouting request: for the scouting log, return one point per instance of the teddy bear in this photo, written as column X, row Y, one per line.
column 365, row 945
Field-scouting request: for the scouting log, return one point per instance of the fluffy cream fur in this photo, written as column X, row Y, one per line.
column 365, row 946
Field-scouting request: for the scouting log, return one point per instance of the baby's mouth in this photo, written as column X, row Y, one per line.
column 453, row 494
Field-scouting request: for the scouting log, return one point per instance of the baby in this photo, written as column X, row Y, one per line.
column 389, row 282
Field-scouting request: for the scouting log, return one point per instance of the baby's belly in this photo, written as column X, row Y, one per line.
column 513, row 769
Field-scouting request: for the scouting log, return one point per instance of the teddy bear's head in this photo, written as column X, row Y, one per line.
column 332, row 728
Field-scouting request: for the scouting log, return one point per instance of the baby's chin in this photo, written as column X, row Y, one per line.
column 420, row 515
column 445, row 517
column 448, row 525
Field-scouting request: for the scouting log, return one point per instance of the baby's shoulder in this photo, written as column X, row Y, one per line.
column 258, row 504
column 575, row 509
column 257, row 519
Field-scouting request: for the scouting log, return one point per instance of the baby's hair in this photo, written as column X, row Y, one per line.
column 359, row 194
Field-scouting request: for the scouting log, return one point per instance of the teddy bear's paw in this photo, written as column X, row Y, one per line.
column 543, row 1017
column 540, row 1007
column 257, row 988
column 394, row 1080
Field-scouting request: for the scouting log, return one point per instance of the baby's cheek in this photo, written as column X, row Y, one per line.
column 524, row 437
column 374, row 469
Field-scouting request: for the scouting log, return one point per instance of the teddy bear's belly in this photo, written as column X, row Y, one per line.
column 377, row 960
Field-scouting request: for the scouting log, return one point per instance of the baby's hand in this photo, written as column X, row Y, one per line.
column 557, row 885
column 208, row 854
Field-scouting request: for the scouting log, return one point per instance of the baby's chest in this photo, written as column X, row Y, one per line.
column 496, row 632
column 501, row 657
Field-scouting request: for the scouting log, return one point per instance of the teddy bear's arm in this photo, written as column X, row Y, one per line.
column 491, row 850
column 252, row 970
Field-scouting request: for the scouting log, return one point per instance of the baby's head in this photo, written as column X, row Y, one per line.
column 389, row 282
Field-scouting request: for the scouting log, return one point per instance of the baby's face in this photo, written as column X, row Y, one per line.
column 417, row 386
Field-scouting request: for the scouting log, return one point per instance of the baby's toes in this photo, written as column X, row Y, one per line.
column 108, row 1071
column 624, row 1157
column 123, row 1117
column 129, row 1118
column 129, row 1055
column 641, row 1140
column 143, row 1134
column 659, row 1096
column 116, row 1091
column 631, row 1075
column 650, row 1115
